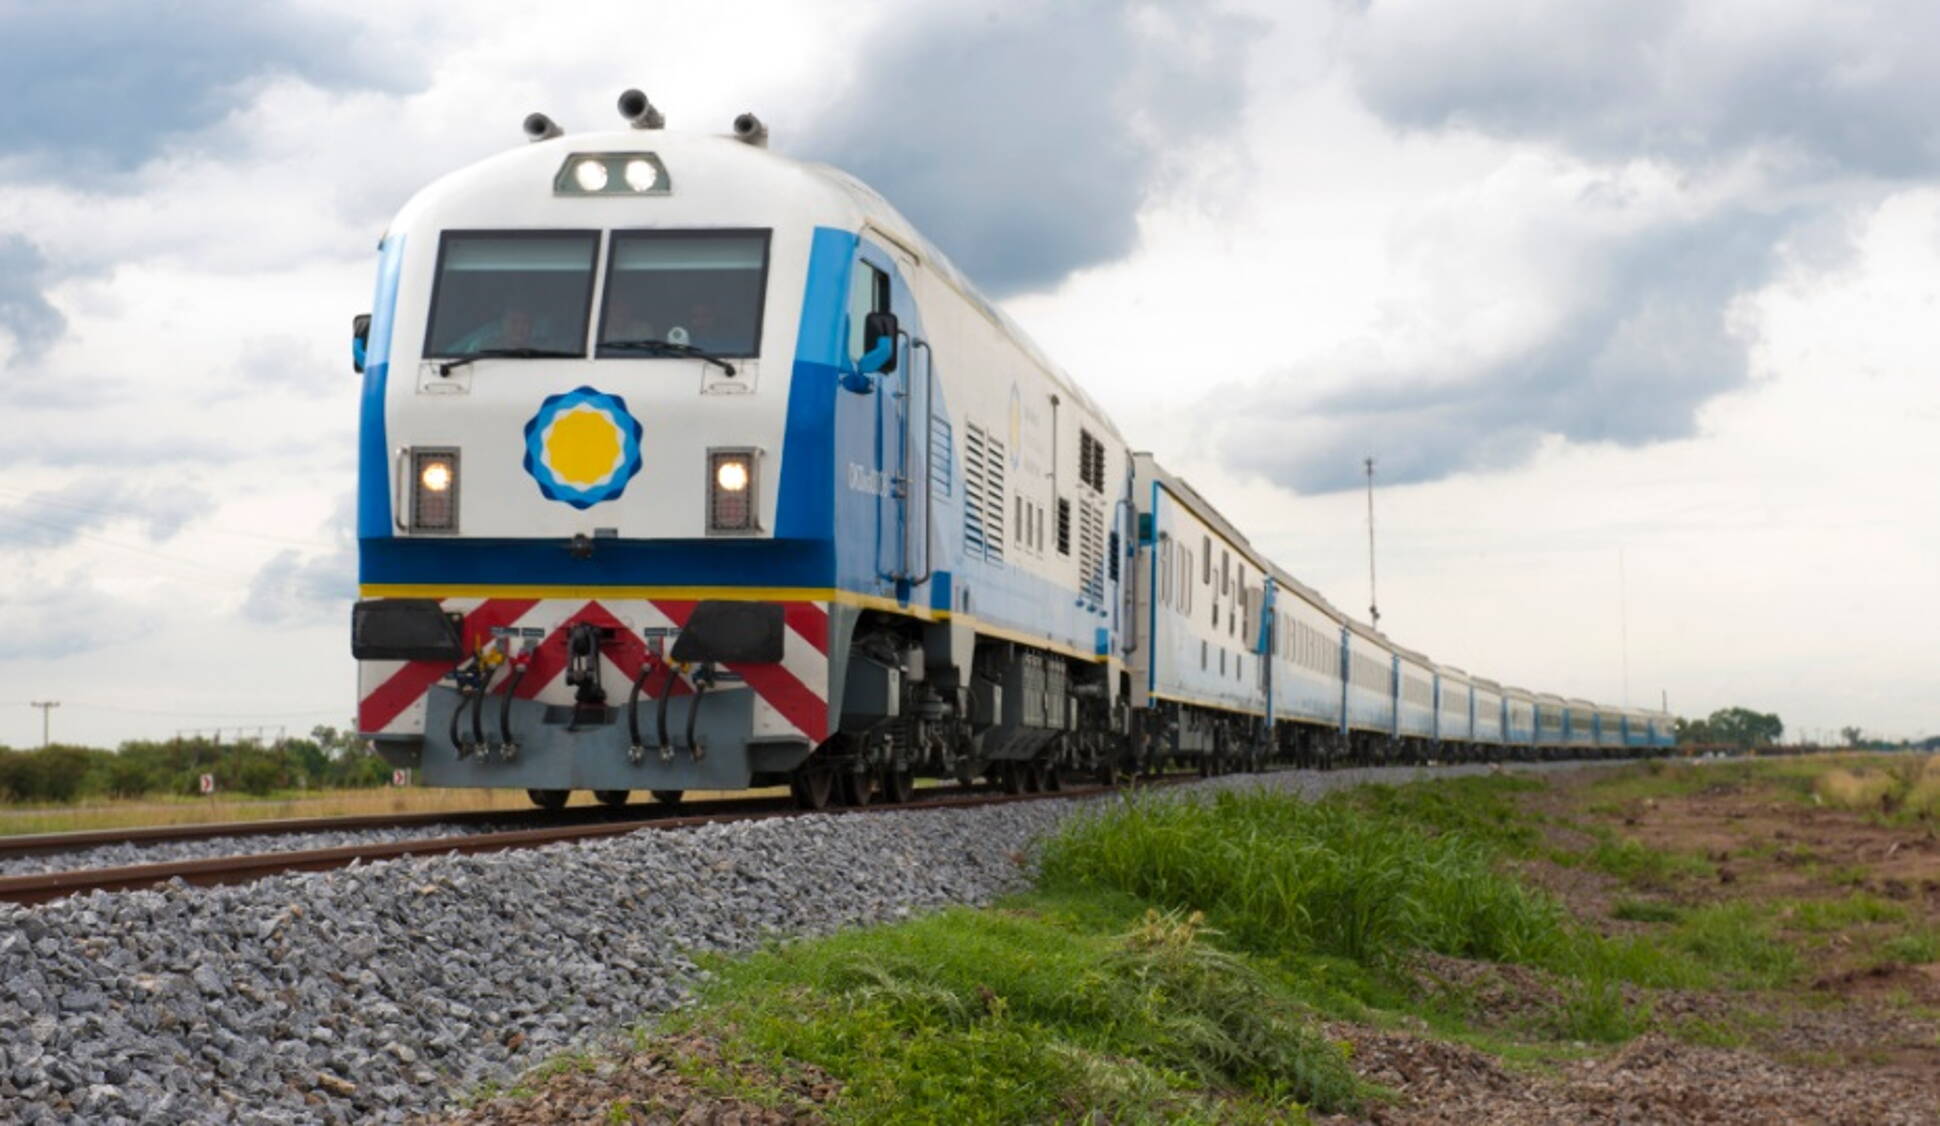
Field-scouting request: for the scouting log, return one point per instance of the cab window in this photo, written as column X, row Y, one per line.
column 868, row 293
column 694, row 289
column 512, row 291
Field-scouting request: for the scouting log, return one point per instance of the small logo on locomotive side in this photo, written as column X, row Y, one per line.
column 582, row 447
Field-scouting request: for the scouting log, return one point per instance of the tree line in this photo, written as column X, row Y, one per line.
column 1731, row 727
column 329, row 758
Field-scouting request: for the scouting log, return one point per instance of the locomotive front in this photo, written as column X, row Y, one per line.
column 594, row 519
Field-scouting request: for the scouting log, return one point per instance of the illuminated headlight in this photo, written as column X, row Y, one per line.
column 434, row 490
column 612, row 173
column 731, row 495
column 590, row 175
column 641, row 176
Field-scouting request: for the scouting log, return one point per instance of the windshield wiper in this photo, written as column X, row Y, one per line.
column 445, row 366
column 669, row 348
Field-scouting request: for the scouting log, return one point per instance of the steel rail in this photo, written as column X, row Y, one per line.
column 42, row 887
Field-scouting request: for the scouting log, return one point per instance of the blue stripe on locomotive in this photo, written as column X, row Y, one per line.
column 373, row 463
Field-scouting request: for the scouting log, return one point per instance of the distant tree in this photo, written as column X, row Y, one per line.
column 1731, row 727
column 1851, row 736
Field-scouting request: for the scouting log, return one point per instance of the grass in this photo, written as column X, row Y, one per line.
column 1280, row 877
column 1854, row 910
column 1915, row 946
column 1639, row 865
column 1037, row 1012
column 1736, row 942
column 1645, row 911
column 1899, row 788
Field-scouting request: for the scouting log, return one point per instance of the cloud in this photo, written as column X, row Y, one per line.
column 49, row 621
column 94, row 85
column 1556, row 302
column 54, row 518
column 1024, row 143
column 1845, row 87
column 305, row 588
column 25, row 313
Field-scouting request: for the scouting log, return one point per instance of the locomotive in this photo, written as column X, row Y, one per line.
column 684, row 465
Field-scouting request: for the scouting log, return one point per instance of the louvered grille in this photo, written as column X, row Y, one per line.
column 1091, row 550
column 975, row 536
column 983, row 494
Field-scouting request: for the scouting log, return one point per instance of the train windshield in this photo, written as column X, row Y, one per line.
column 512, row 292
column 698, row 289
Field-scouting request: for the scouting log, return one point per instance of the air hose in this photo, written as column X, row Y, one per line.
column 701, row 682
column 519, row 665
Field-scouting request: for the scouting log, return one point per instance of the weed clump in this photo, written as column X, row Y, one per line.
column 1022, row 1016
column 1282, row 877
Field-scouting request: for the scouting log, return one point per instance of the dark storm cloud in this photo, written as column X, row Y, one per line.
column 103, row 84
column 25, row 314
column 1023, row 142
column 1847, row 87
column 1646, row 342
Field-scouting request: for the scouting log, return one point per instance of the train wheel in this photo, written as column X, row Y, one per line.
column 898, row 786
column 812, row 786
column 549, row 799
column 857, row 788
column 1051, row 779
column 669, row 797
column 612, row 797
column 1108, row 770
column 1008, row 776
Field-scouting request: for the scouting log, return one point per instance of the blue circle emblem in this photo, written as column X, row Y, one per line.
column 582, row 447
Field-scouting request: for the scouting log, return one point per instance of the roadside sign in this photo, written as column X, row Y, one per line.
column 400, row 778
column 208, row 783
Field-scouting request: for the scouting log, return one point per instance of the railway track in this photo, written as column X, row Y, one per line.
column 53, row 844
column 42, row 887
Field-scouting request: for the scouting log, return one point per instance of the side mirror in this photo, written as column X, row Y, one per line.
column 359, row 340
column 879, row 343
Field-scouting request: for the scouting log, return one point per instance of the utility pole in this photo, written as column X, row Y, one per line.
column 1373, row 602
column 1623, row 617
column 46, row 709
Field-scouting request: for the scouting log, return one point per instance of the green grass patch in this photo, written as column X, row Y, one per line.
column 1639, row 865
column 1736, row 942
column 1283, row 877
column 1913, row 947
column 1645, row 911
column 1027, row 1015
column 1856, row 909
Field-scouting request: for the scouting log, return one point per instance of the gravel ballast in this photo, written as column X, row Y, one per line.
column 381, row 991
column 209, row 848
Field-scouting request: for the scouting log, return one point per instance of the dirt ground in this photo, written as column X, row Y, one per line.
column 1854, row 1038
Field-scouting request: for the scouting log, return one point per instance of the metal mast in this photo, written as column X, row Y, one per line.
column 1623, row 617
column 1373, row 602
column 46, row 709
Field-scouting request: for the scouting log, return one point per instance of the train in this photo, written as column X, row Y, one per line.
column 684, row 465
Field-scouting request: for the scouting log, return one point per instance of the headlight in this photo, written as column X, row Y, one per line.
column 612, row 173
column 434, row 490
column 731, row 496
column 641, row 176
column 590, row 175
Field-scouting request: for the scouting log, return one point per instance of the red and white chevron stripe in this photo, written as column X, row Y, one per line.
column 791, row 695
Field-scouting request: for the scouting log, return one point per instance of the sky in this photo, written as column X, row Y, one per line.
column 1633, row 303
